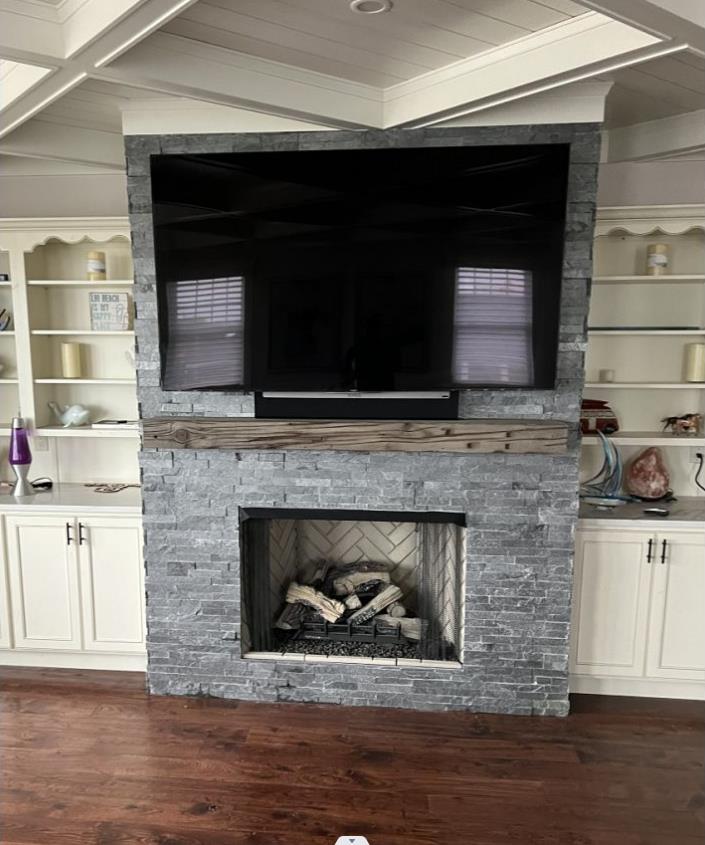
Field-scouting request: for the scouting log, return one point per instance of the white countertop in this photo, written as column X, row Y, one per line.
column 687, row 512
column 74, row 498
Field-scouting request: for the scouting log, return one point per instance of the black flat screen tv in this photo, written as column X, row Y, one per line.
column 405, row 269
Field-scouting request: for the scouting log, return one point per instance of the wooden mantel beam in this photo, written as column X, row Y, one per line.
column 456, row 436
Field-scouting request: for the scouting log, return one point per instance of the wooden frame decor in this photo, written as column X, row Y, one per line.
column 456, row 436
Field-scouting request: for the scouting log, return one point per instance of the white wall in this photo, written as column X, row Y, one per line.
column 651, row 183
column 95, row 195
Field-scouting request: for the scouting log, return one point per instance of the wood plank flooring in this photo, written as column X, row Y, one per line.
column 90, row 759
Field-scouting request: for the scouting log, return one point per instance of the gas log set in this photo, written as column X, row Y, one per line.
column 352, row 609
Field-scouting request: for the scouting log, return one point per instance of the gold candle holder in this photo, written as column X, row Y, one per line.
column 95, row 267
column 657, row 259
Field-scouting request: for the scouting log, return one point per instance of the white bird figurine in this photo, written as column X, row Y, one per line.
column 71, row 416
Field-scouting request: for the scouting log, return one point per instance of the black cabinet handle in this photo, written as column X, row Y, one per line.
column 663, row 552
column 649, row 553
column 69, row 538
column 81, row 535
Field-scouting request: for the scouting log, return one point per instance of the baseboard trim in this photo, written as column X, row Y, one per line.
column 640, row 687
column 74, row 660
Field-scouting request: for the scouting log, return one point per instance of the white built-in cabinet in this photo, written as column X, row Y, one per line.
column 677, row 619
column 5, row 637
column 639, row 612
column 44, row 585
column 73, row 591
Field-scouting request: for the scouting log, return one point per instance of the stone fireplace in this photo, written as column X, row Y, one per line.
column 213, row 516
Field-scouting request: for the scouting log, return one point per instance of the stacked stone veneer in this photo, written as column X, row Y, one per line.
column 521, row 510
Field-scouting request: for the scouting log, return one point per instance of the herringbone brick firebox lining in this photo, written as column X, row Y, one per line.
column 297, row 545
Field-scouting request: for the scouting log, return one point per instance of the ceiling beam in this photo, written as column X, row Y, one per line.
column 572, row 51
column 669, row 137
column 183, row 67
column 678, row 20
column 174, row 116
column 97, row 34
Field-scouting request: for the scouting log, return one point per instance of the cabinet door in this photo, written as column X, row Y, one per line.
column 112, row 583
column 43, row 582
column 676, row 643
column 610, row 602
column 5, row 636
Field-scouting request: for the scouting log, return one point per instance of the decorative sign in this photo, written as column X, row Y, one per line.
column 109, row 312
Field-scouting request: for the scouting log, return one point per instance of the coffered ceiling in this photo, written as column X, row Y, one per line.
column 69, row 68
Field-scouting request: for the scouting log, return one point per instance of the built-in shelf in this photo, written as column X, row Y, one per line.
column 80, row 283
column 85, row 431
column 641, row 280
column 51, row 289
column 639, row 325
column 84, row 381
column 646, row 385
column 81, row 333
column 645, row 438
column 646, row 332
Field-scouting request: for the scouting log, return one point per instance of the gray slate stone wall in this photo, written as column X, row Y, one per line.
column 521, row 510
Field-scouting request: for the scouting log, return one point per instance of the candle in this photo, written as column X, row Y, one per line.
column 71, row 360
column 656, row 259
column 694, row 364
column 96, row 266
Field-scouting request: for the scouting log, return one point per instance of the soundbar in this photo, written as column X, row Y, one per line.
column 358, row 394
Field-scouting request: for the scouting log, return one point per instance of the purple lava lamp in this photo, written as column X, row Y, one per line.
column 20, row 458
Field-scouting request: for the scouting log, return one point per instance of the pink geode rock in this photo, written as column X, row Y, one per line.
column 647, row 475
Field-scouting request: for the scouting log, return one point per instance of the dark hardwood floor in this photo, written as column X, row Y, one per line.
column 90, row 758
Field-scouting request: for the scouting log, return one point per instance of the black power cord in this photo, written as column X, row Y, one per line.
column 699, row 456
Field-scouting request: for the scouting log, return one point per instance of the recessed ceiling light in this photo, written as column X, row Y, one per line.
column 370, row 7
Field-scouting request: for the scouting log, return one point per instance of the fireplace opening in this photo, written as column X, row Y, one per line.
column 362, row 585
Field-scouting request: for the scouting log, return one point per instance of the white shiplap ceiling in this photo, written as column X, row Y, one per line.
column 317, row 61
column 326, row 36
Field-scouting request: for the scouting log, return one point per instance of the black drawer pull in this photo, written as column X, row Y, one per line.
column 650, row 550
column 663, row 552
column 81, row 534
column 69, row 538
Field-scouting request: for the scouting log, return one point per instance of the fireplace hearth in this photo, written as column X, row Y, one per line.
column 369, row 584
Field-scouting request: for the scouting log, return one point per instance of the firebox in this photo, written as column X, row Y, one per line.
column 359, row 585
